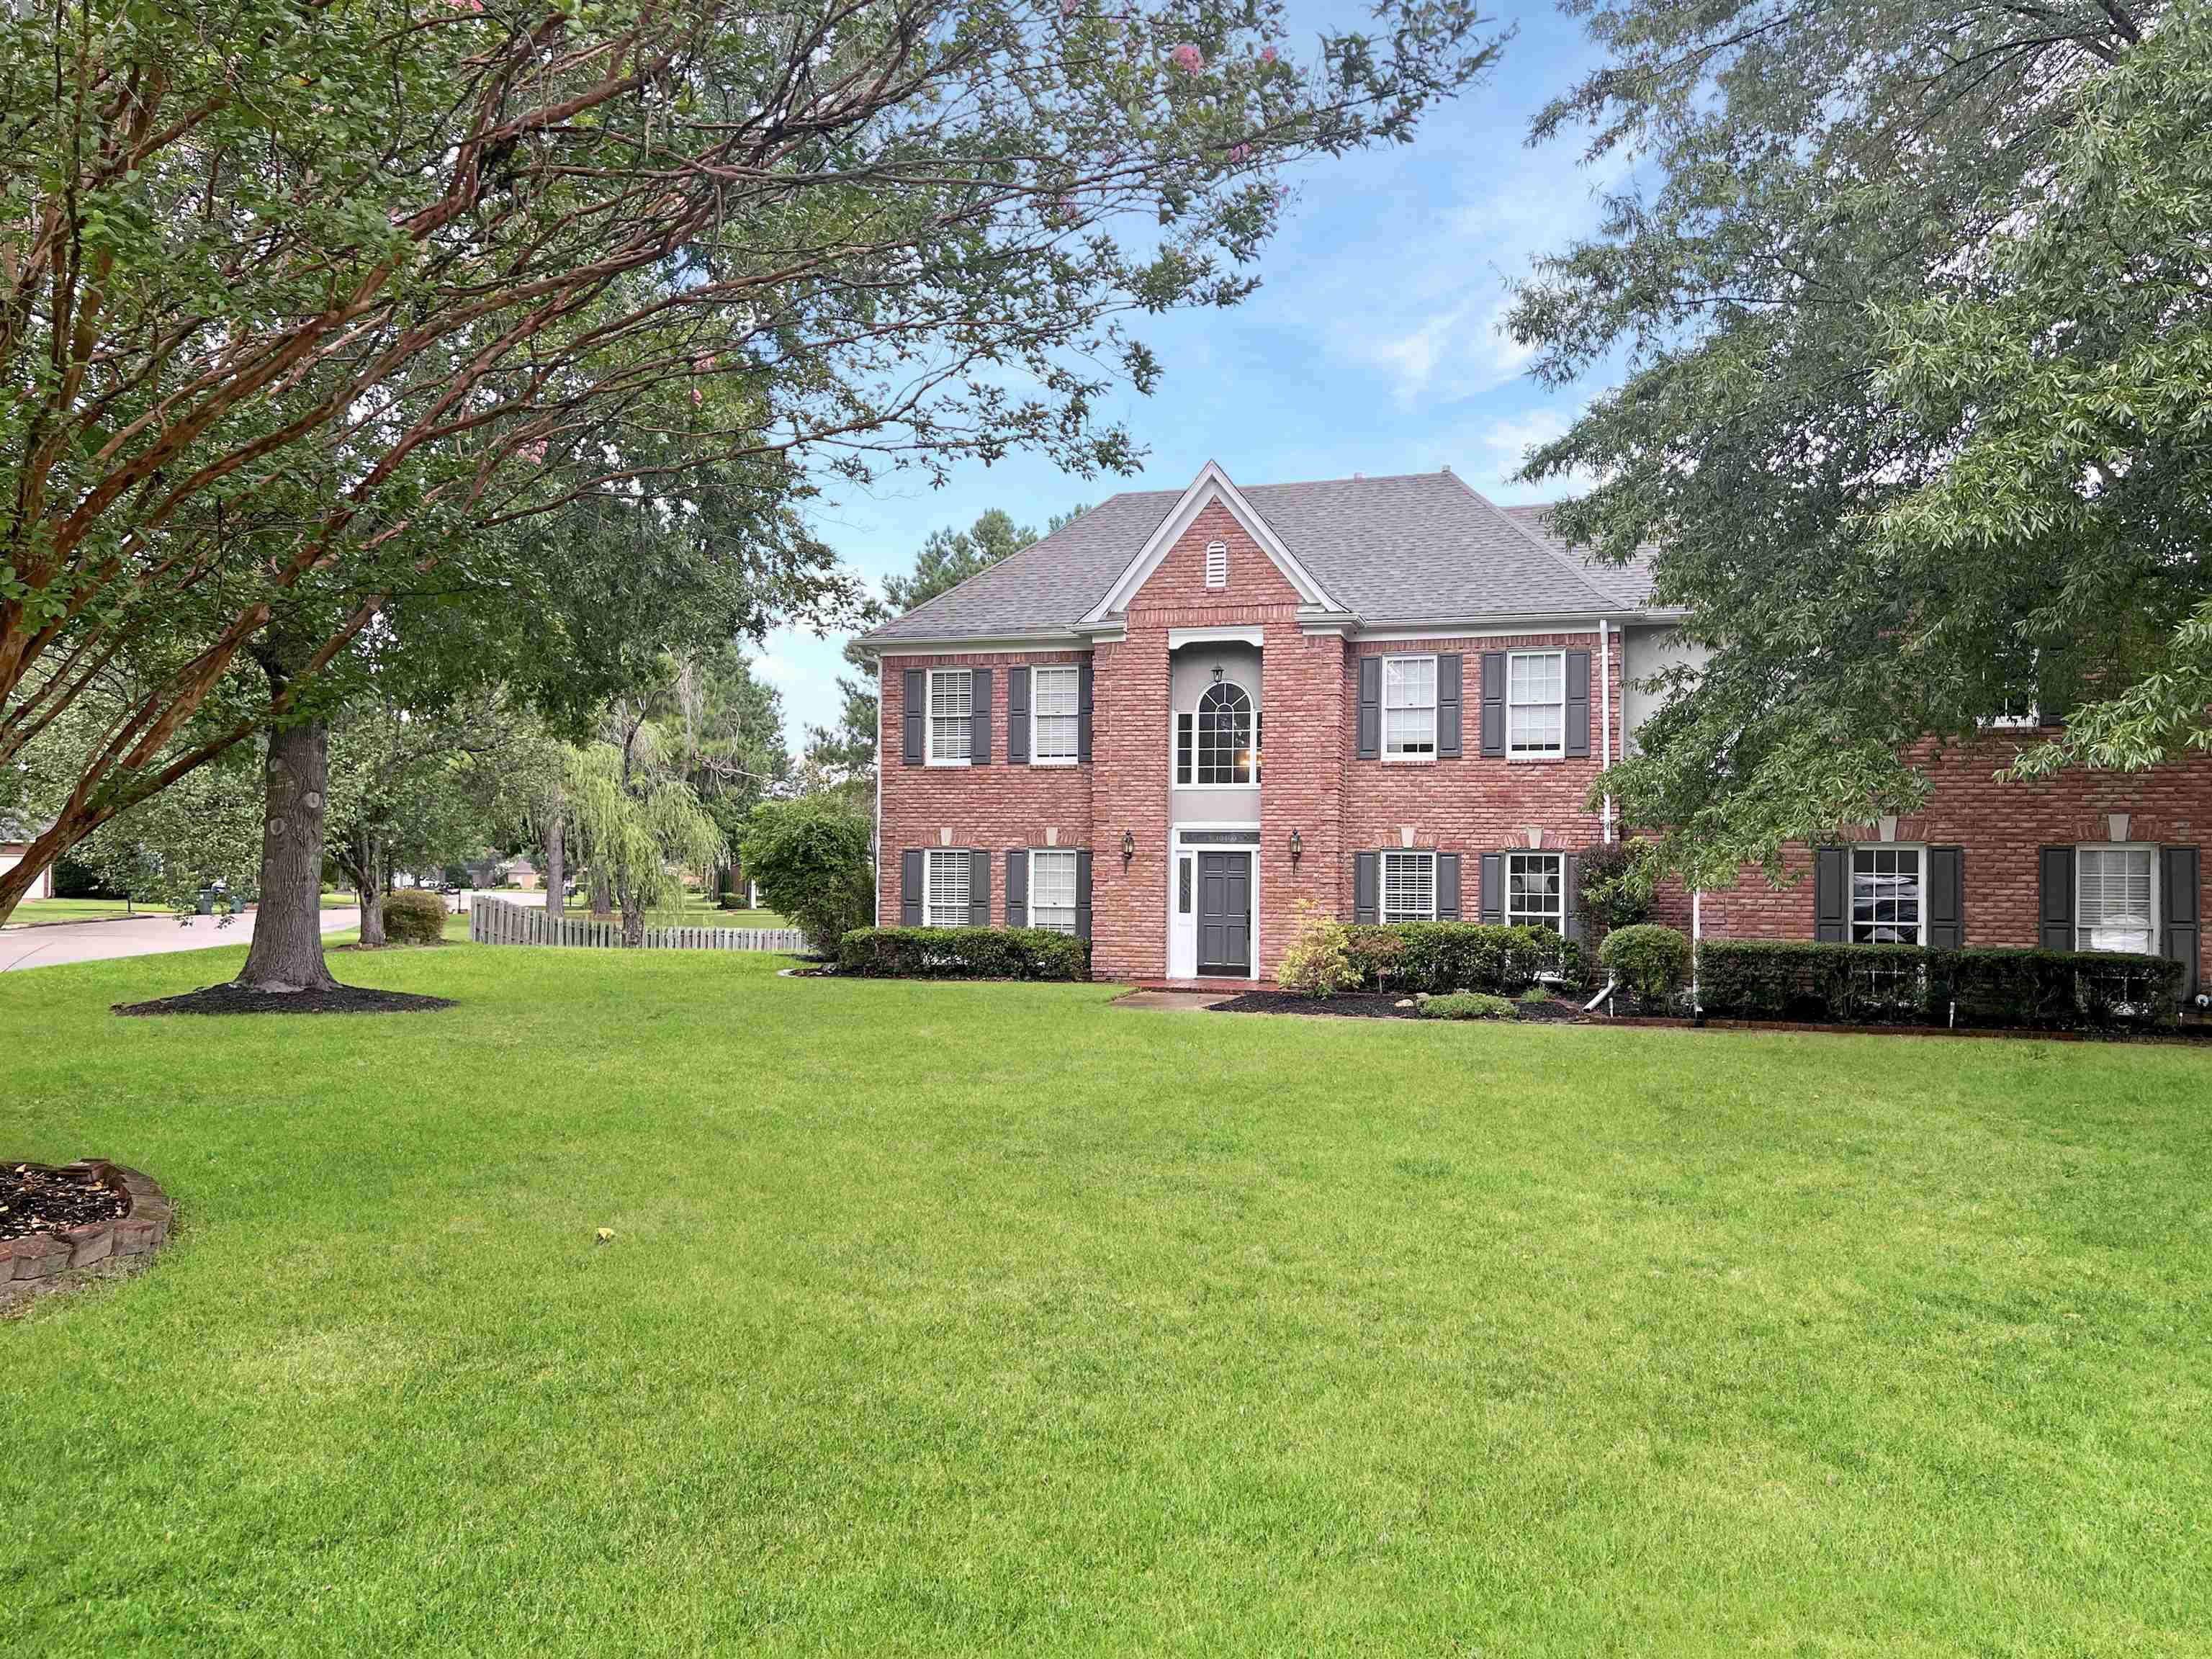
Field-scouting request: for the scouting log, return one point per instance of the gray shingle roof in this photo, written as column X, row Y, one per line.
column 1418, row 548
column 1631, row 581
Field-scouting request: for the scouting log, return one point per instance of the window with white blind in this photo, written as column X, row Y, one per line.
column 952, row 715
column 1409, row 707
column 2115, row 899
column 1052, row 890
column 1409, row 887
column 946, row 901
column 1888, row 896
column 1535, row 890
column 1053, row 695
column 1536, row 703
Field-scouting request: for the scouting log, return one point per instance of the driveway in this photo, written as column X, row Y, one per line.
column 137, row 936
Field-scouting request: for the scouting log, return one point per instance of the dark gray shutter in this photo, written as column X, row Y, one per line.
column 1018, row 717
column 1018, row 887
column 1083, row 715
column 1366, row 886
column 1578, row 704
column 910, row 880
column 1947, row 897
column 917, row 710
column 1083, row 894
column 979, row 717
column 2055, row 903
column 1831, row 888
column 1448, row 720
column 1447, row 887
column 1571, row 909
column 1491, row 892
column 2180, row 903
column 1493, row 702
column 979, row 888
column 1370, row 708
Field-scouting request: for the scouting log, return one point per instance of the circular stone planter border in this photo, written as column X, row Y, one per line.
column 52, row 1261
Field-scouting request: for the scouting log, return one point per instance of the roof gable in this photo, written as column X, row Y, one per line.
column 1211, row 485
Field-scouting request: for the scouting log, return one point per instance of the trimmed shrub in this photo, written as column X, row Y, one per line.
column 1454, row 956
column 963, row 953
column 810, row 859
column 1613, row 885
column 1467, row 1005
column 1912, row 984
column 413, row 916
column 1318, row 961
column 1648, row 959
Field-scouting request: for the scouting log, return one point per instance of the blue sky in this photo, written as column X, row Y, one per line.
column 1372, row 346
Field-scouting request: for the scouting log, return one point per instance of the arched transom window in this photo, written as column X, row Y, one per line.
column 1218, row 742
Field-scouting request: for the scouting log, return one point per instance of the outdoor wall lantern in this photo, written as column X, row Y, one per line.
column 1216, row 674
column 1128, row 848
column 1297, row 846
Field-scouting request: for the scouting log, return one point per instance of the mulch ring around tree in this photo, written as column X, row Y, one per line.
column 35, row 1200
column 236, row 998
column 1376, row 1004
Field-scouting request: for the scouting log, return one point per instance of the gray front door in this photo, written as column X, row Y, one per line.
column 1224, row 913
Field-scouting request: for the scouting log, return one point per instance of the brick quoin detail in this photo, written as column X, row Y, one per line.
column 1312, row 780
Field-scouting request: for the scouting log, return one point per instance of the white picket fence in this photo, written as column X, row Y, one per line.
column 501, row 921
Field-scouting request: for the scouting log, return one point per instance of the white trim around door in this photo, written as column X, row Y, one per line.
column 1187, row 841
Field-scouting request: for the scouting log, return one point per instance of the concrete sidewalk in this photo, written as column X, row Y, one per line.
column 133, row 936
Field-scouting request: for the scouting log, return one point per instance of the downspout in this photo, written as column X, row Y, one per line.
column 1605, row 714
column 876, row 851
column 1696, row 950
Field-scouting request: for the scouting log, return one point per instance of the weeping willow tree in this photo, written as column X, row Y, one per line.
column 637, row 825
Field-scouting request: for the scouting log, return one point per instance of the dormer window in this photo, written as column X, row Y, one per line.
column 1217, row 564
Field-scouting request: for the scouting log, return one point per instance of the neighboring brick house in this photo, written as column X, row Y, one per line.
column 1168, row 722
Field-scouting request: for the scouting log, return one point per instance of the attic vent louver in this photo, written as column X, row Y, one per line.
column 1217, row 564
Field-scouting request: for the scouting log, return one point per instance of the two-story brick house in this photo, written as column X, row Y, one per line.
column 1168, row 722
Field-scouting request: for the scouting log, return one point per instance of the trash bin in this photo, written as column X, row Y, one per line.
column 206, row 906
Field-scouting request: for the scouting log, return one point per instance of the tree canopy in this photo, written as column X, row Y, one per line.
column 1913, row 312
column 298, row 295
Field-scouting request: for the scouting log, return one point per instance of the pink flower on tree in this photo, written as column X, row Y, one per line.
column 1069, row 8
column 697, row 396
column 1267, row 56
column 535, row 451
column 1187, row 59
column 1240, row 153
column 464, row 5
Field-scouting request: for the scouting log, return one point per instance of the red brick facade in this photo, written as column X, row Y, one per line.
column 1314, row 782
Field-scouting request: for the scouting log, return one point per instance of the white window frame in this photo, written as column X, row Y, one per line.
column 930, row 717
column 1054, row 854
column 2028, row 721
column 929, row 857
column 1555, row 921
column 1558, row 750
column 1409, row 758
column 2150, row 850
column 1919, row 851
column 1174, row 740
column 1037, row 757
column 1382, row 906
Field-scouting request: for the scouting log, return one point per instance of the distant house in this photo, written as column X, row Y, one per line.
column 16, row 840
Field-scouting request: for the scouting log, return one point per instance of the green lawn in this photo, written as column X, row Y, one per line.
column 72, row 909
column 942, row 1319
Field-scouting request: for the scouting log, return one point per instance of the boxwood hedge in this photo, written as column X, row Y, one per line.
column 1454, row 956
column 1922, row 984
column 963, row 953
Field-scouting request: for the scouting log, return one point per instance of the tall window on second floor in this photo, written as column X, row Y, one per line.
column 1536, row 704
column 951, row 709
column 1409, row 707
column 1054, row 698
column 1218, row 745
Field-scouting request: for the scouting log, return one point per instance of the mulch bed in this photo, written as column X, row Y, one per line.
column 34, row 1199
column 235, row 999
column 1374, row 1005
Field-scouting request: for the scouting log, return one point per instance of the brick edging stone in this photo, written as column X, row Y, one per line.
column 51, row 1261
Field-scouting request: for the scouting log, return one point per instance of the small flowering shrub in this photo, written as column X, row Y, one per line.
column 1319, row 960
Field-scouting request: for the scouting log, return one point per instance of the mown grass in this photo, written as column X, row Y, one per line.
column 72, row 909
column 960, row 1318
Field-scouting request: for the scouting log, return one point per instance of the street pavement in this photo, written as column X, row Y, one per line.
column 133, row 936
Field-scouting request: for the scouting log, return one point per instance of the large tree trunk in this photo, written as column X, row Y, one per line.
column 603, row 896
column 288, row 930
column 372, row 894
column 556, row 878
column 633, row 918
